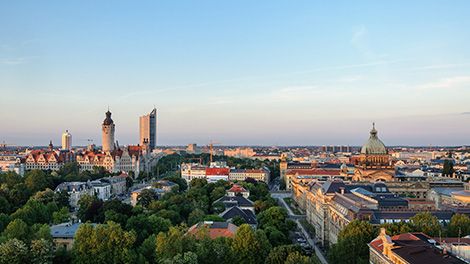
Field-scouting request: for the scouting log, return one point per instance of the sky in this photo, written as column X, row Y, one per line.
column 237, row 72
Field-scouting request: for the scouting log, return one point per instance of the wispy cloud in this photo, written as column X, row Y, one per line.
column 440, row 66
column 446, row 83
column 14, row 61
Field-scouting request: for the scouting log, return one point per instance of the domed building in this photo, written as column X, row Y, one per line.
column 374, row 162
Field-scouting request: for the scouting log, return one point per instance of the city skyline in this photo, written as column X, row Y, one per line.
column 240, row 73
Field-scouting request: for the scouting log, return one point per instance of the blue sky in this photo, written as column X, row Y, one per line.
column 239, row 72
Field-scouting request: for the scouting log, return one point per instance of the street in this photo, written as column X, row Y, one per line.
column 311, row 241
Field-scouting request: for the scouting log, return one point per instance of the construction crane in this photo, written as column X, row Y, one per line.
column 211, row 148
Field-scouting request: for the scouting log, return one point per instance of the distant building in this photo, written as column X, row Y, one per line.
column 220, row 171
column 192, row 148
column 240, row 152
column 148, row 130
column 409, row 248
column 49, row 159
column 108, row 133
column 127, row 159
column 256, row 174
column 374, row 163
column 12, row 163
column 75, row 190
column 66, row 140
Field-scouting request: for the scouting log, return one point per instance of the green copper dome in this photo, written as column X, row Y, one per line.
column 374, row 146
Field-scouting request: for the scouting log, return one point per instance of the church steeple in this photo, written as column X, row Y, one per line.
column 51, row 147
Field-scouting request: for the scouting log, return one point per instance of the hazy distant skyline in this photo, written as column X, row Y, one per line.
column 240, row 72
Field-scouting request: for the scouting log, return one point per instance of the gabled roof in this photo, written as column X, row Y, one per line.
column 235, row 201
column 246, row 214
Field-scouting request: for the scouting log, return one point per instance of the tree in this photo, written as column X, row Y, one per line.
column 90, row 209
column 146, row 197
column 459, row 225
column 396, row 228
column 352, row 243
column 17, row 229
column 279, row 254
column 37, row 180
column 427, row 223
column 147, row 249
column 173, row 242
column 297, row 258
column 217, row 193
column 4, row 205
column 106, row 243
column 4, row 220
column 13, row 251
column 196, row 216
column 42, row 251
column 246, row 242
column 185, row 258
column 238, row 220
column 61, row 216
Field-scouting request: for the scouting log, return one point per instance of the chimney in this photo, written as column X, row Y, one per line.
column 341, row 189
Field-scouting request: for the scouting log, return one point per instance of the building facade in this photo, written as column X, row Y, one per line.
column 374, row 163
column 66, row 140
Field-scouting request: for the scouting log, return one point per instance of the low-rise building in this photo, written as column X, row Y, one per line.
column 63, row 235
column 214, row 229
column 101, row 189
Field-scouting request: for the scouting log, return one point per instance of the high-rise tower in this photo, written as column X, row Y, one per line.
column 148, row 129
column 66, row 140
column 108, row 133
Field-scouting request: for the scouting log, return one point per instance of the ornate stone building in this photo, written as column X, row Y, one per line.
column 47, row 159
column 374, row 163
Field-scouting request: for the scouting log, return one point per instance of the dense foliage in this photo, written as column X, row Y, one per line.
column 155, row 231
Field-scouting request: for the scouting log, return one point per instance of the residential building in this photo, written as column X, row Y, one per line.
column 148, row 130
column 101, row 189
column 12, row 162
column 214, row 229
column 63, row 235
column 118, row 183
column 409, row 248
column 75, row 190
column 237, row 190
column 236, row 212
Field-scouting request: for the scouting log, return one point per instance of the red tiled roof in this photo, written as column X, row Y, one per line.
column 217, row 171
column 237, row 189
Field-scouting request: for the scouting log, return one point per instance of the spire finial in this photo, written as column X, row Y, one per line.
column 373, row 125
